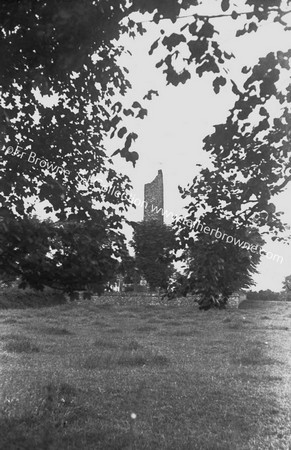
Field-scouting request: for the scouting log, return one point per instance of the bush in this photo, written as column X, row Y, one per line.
column 13, row 297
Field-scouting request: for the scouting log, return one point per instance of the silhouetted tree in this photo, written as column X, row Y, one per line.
column 154, row 245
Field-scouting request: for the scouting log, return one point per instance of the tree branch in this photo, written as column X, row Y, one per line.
column 217, row 16
column 248, row 215
column 285, row 182
column 198, row 16
column 282, row 14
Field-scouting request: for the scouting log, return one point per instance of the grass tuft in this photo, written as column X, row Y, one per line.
column 115, row 330
column 10, row 320
column 145, row 328
column 21, row 346
column 104, row 343
column 155, row 320
column 132, row 359
column 227, row 319
column 14, row 336
column 173, row 323
column 56, row 331
column 142, row 358
column 181, row 333
column 279, row 327
column 99, row 361
column 132, row 345
column 99, row 323
column 255, row 357
column 159, row 360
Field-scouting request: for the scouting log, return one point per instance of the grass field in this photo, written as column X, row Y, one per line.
column 145, row 377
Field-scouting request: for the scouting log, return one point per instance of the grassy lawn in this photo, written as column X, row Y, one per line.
column 145, row 377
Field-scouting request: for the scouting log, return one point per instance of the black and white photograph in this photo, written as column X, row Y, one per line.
column 145, row 225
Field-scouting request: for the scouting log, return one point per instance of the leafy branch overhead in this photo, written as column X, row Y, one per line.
column 197, row 39
column 70, row 52
column 251, row 151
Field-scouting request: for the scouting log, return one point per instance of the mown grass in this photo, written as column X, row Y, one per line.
column 56, row 330
column 214, row 380
column 15, row 343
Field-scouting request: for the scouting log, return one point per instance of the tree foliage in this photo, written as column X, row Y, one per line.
column 72, row 50
column 251, row 163
column 69, row 52
column 216, row 268
column 154, row 244
column 49, row 47
column 267, row 294
column 287, row 287
column 67, row 256
column 65, row 52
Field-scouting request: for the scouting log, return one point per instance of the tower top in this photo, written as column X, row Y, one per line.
column 154, row 199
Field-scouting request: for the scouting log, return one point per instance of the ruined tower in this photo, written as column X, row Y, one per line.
column 154, row 199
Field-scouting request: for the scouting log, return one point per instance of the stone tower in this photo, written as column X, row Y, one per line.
column 154, row 199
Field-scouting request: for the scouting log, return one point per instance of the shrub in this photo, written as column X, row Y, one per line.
column 13, row 297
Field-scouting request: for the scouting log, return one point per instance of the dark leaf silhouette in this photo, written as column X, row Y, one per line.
column 225, row 5
column 217, row 83
column 150, row 95
column 154, row 46
column 136, row 105
column 173, row 40
column 122, row 132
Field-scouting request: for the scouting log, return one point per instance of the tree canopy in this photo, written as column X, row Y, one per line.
column 68, row 54
column 68, row 256
column 71, row 50
column 154, row 246
column 267, row 295
column 287, row 287
column 215, row 268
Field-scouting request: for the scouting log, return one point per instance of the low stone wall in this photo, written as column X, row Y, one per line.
column 146, row 298
column 129, row 298
column 235, row 300
column 143, row 299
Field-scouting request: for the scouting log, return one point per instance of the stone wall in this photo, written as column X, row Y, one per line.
column 146, row 298
column 236, row 299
